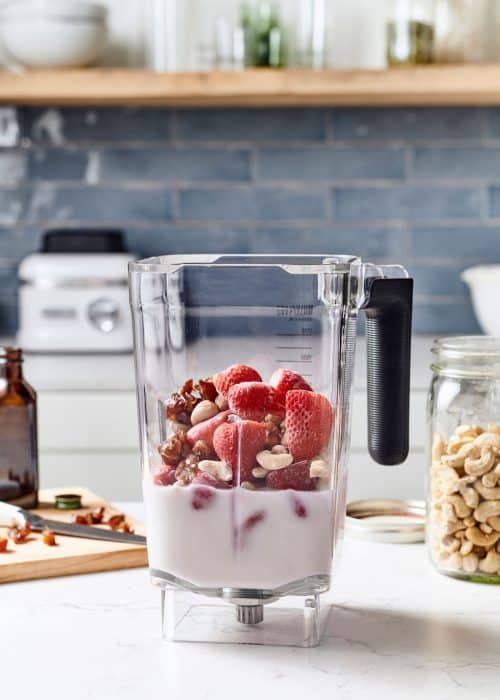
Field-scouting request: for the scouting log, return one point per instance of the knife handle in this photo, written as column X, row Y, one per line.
column 11, row 515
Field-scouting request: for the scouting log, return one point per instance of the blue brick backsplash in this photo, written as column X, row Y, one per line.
column 415, row 186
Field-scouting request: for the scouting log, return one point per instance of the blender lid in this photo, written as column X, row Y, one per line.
column 386, row 520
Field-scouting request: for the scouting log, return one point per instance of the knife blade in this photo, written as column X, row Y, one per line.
column 10, row 514
column 89, row 531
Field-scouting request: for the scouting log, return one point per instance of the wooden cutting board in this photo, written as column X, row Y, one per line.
column 71, row 555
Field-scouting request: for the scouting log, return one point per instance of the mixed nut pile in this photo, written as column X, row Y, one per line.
column 465, row 498
column 233, row 429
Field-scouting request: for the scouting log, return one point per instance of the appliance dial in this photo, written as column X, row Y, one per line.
column 104, row 314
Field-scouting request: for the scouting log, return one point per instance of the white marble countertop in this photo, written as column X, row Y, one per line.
column 398, row 630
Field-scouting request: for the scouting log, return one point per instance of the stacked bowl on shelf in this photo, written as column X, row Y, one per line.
column 52, row 33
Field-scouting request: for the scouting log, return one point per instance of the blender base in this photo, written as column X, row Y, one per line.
column 288, row 621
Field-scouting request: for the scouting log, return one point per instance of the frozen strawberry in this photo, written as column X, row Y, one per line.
column 284, row 380
column 246, row 526
column 309, row 419
column 164, row 475
column 299, row 507
column 206, row 479
column 234, row 375
column 237, row 444
column 202, row 497
column 253, row 400
column 205, row 430
column 296, row 477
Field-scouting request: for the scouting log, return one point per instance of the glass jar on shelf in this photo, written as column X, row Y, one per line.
column 265, row 41
column 464, row 457
column 410, row 32
column 465, row 31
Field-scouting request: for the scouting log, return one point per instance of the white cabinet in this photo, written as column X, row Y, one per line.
column 90, row 439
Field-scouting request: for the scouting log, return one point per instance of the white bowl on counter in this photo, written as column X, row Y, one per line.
column 484, row 284
column 52, row 33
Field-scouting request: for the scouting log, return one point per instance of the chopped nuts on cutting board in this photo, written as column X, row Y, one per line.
column 71, row 555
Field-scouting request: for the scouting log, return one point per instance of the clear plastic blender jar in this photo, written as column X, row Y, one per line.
column 244, row 367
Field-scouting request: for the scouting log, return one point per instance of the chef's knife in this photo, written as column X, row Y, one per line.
column 10, row 514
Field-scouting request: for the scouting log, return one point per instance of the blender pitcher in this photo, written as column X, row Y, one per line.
column 244, row 369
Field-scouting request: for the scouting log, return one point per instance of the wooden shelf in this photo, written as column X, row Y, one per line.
column 434, row 85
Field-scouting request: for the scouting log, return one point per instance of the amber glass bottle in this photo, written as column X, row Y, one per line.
column 18, row 433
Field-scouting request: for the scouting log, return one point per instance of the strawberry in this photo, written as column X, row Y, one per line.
column 205, row 430
column 253, row 400
column 202, row 498
column 309, row 419
column 237, row 444
column 164, row 475
column 241, row 532
column 235, row 374
column 296, row 477
column 285, row 379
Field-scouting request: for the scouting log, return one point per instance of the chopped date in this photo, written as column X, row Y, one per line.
column 206, row 389
column 171, row 451
column 3, row 544
column 19, row 535
column 116, row 521
column 48, row 537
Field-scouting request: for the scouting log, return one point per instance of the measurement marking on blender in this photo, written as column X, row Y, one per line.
column 293, row 347
column 305, row 362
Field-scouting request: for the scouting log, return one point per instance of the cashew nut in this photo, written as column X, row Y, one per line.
column 448, row 511
column 492, row 428
column 459, row 505
column 491, row 563
column 279, row 450
column 438, row 447
column 450, row 543
column 247, row 485
column 453, row 562
column 491, row 479
column 469, row 522
column 481, row 465
column 468, row 430
column 484, row 527
column 453, row 526
column 490, row 440
column 494, row 521
column 470, row 562
column 480, row 539
column 271, row 461
column 486, row 510
column 203, row 411
column 490, row 494
column 458, row 460
column 318, row 468
column 466, row 548
column 469, row 495
column 455, row 443
column 220, row 470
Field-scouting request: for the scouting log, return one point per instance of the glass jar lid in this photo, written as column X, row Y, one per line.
column 386, row 520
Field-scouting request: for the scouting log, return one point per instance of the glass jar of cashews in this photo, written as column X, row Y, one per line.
column 463, row 524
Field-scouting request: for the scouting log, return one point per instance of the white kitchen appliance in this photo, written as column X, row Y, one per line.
column 74, row 294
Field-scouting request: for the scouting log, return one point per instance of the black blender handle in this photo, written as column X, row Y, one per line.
column 388, row 311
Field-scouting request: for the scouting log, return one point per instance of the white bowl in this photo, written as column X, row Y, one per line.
column 484, row 283
column 53, row 33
